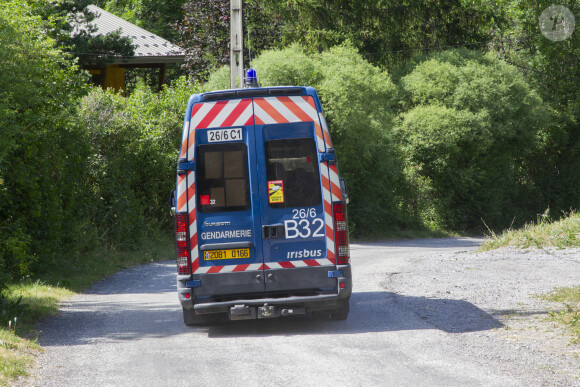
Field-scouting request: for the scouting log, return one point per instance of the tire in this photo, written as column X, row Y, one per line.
column 341, row 313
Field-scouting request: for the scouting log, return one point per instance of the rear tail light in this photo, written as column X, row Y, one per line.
column 340, row 233
column 182, row 244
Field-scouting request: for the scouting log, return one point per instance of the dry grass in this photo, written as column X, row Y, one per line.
column 563, row 233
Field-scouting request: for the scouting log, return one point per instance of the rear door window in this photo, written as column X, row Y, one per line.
column 292, row 166
column 222, row 177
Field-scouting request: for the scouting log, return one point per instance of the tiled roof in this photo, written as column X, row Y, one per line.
column 147, row 44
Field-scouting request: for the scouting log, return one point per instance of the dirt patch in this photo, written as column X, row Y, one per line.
column 505, row 284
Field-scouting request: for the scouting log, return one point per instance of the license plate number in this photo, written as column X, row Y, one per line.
column 226, row 254
column 221, row 135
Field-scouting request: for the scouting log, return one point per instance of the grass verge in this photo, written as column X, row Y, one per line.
column 560, row 234
column 33, row 300
column 570, row 314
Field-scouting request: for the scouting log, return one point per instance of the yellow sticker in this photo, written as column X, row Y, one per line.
column 276, row 191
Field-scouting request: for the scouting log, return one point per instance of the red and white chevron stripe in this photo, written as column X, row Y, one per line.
column 259, row 266
column 281, row 110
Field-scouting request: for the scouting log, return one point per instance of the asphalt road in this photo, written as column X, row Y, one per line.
column 128, row 330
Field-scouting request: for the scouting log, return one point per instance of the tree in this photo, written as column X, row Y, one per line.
column 386, row 32
column 552, row 68
column 470, row 128
column 41, row 163
column 205, row 34
column 358, row 101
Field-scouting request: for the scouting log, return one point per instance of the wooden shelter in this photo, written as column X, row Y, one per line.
column 151, row 51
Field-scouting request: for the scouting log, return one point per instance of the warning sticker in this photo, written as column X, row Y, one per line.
column 276, row 191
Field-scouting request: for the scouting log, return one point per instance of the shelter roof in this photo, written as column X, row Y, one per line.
column 149, row 48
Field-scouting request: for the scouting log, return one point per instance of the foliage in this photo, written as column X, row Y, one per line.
column 469, row 125
column 156, row 16
column 134, row 149
column 358, row 100
column 40, row 160
column 544, row 232
column 552, row 68
column 75, row 178
column 570, row 314
column 69, row 23
column 205, row 34
column 386, row 32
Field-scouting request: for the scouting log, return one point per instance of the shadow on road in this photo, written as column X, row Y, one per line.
column 88, row 322
column 142, row 302
column 373, row 312
column 435, row 243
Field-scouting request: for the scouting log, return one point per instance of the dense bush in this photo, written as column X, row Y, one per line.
column 75, row 176
column 41, row 150
column 358, row 100
column 135, row 141
column 469, row 128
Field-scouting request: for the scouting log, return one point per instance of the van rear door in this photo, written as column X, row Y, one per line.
column 220, row 202
column 294, row 243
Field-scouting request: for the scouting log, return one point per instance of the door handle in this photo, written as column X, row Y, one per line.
column 273, row 231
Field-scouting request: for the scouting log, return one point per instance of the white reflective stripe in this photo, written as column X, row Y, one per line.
column 261, row 114
column 305, row 106
column 245, row 116
column 324, row 262
column 323, row 122
column 202, row 269
column 336, row 181
column 299, row 263
column 185, row 131
column 194, row 253
column 330, row 245
column 181, row 188
column 224, row 113
column 191, row 200
column 200, row 115
column 254, row 266
column 227, row 269
column 325, row 192
column 193, row 228
column 282, row 109
column 274, row 265
column 320, row 144
column 328, row 219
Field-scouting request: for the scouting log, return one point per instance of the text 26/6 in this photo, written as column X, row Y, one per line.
column 221, row 135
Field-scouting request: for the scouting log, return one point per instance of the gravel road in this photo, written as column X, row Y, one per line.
column 423, row 313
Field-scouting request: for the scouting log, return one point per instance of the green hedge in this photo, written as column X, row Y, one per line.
column 41, row 162
column 358, row 99
column 470, row 126
column 135, row 141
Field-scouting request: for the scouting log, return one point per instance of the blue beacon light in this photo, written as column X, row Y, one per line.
column 251, row 78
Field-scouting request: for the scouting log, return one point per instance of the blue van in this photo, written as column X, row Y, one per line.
column 260, row 209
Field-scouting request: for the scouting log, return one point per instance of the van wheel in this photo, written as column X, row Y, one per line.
column 342, row 312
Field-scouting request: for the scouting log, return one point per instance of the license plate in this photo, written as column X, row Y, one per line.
column 221, row 135
column 226, row 254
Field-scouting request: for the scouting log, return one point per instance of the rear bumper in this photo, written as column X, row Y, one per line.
column 311, row 303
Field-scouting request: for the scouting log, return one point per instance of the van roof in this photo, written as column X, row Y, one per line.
column 254, row 92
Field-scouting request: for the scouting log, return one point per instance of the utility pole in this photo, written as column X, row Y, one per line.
column 236, row 45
